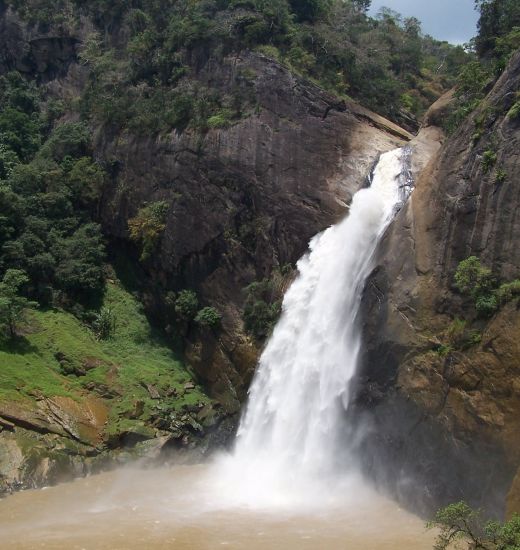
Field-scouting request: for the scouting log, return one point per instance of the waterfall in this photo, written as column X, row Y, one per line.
column 291, row 433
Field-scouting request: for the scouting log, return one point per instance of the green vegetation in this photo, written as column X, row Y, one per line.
column 500, row 176
column 87, row 335
column 147, row 226
column 49, row 189
column 186, row 305
column 145, row 81
column 104, row 324
column 508, row 291
column 208, row 317
column 13, row 306
column 459, row 523
column 458, row 336
column 474, row 279
column 59, row 355
column 514, row 112
column 262, row 308
column 478, row 282
column 489, row 159
column 497, row 39
column 186, row 309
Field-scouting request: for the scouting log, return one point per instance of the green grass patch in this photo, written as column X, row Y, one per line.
column 57, row 343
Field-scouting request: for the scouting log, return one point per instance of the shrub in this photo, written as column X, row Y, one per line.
column 456, row 331
column 473, row 279
column 486, row 305
column 500, row 176
column 208, row 317
column 459, row 523
column 12, row 304
column 444, row 350
column 489, row 159
column 8, row 160
column 104, row 324
column 507, row 291
column 270, row 51
column 514, row 112
column 474, row 338
column 222, row 119
column 80, row 261
column 147, row 226
column 186, row 305
column 70, row 138
column 261, row 309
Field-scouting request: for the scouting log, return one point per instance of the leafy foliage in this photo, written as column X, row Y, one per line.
column 13, row 305
column 474, row 279
column 508, row 291
column 208, row 317
column 489, row 159
column 145, row 81
column 261, row 308
column 497, row 19
column 147, row 226
column 498, row 38
column 478, row 282
column 49, row 191
column 186, row 305
column 458, row 522
column 104, row 324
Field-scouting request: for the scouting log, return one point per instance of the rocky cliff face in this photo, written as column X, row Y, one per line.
column 445, row 415
column 242, row 201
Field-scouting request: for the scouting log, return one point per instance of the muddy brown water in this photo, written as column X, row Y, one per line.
column 174, row 508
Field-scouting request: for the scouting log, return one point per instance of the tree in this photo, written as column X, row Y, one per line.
column 459, row 522
column 261, row 308
column 309, row 10
column 362, row 5
column 497, row 18
column 12, row 305
column 147, row 226
column 474, row 279
column 186, row 305
column 80, row 261
column 208, row 317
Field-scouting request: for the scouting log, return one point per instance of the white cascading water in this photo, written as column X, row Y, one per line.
column 289, row 436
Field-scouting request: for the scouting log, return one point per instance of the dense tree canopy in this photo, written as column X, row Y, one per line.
column 49, row 189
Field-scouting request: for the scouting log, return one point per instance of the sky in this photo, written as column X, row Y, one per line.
column 451, row 20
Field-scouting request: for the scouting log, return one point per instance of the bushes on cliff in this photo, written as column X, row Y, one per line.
column 186, row 305
column 497, row 39
column 147, row 225
column 208, row 317
column 330, row 41
column 261, row 308
column 478, row 282
column 474, row 279
column 459, row 523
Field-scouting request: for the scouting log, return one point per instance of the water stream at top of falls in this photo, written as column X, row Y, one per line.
column 292, row 433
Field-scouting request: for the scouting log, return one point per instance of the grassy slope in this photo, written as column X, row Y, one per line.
column 136, row 355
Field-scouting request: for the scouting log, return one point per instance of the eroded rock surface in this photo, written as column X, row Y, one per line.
column 447, row 415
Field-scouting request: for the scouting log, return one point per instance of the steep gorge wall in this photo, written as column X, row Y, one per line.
column 242, row 202
column 445, row 418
